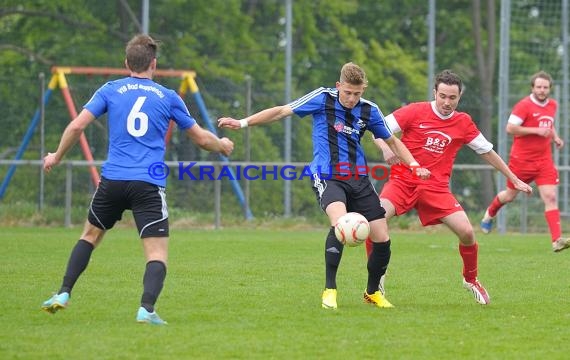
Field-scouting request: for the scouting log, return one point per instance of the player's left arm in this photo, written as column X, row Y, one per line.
column 495, row 160
column 262, row 117
column 484, row 148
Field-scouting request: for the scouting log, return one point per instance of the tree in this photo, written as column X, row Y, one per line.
column 486, row 54
column 225, row 41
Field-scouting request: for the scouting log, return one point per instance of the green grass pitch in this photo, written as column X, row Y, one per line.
column 255, row 294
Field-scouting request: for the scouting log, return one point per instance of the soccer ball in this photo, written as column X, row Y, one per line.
column 352, row 229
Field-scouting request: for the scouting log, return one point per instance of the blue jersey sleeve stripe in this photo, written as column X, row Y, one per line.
column 304, row 99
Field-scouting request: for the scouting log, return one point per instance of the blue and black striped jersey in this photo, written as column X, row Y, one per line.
column 337, row 130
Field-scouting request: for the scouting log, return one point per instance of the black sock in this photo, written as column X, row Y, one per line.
column 78, row 261
column 153, row 280
column 333, row 254
column 377, row 265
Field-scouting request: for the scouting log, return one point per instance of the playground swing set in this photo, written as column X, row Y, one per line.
column 58, row 79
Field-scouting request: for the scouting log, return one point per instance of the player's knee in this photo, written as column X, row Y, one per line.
column 507, row 196
column 506, row 200
column 92, row 234
column 549, row 199
column 466, row 235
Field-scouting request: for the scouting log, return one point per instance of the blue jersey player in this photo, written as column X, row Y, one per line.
column 339, row 172
column 139, row 111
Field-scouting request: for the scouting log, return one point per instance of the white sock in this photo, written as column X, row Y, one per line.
column 487, row 217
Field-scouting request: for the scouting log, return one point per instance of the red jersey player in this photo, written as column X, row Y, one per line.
column 434, row 132
column 532, row 125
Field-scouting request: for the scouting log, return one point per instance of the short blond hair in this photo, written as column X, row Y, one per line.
column 353, row 74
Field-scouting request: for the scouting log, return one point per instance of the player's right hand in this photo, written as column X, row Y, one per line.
column 227, row 146
column 422, row 173
column 522, row 186
column 390, row 157
column 50, row 160
column 544, row 132
column 229, row 123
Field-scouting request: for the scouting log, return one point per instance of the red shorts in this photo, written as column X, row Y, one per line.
column 541, row 172
column 430, row 204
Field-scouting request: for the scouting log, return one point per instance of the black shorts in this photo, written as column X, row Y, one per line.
column 146, row 200
column 358, row 194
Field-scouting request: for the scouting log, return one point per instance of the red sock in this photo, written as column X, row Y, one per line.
column 495, row 206
column 469, row 256
column 553, row 220
column 368, row 244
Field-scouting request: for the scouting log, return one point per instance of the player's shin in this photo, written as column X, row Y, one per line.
column 377, row 264
column 333, row 254
column 469, row 254
column 494, row 207
column 78, row 261
column 553, row 220
column 153, row 281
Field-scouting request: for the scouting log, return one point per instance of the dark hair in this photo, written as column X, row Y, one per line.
column 140, row 52
column 541, row 75
column 448, row 77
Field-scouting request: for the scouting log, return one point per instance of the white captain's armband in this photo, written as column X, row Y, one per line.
column 480, row 145
column 515, row 120
column 392, row 123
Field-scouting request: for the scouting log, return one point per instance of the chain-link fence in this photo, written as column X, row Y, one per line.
column 202, row 194
column 534, row 38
